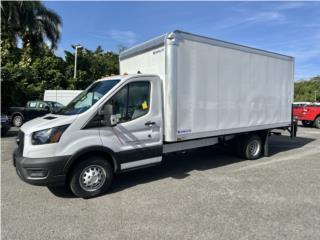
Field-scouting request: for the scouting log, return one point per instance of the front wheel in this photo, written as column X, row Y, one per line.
column 17, row 121
column 317, row 122
column 91, row 177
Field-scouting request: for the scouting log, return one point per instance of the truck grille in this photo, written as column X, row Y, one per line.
column 20, row 141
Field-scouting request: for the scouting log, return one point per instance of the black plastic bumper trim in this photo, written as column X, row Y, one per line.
column 52, row 166
column 138, row 154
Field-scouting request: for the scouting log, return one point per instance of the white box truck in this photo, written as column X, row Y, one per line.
column 60, row 96
column 176, row 92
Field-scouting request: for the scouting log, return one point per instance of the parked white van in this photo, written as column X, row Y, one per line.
column 175, row 92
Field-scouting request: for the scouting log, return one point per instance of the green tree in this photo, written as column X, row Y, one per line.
column 30, row 21
column 30, row 70
column 25, row 80
column 307, row 90
column 33, row 24
column 91, row 66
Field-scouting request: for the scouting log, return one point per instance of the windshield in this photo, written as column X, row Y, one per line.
column 88, row 97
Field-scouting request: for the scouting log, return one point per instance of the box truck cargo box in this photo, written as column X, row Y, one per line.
column 176, row 92
column 213, row 87
column 61, row 96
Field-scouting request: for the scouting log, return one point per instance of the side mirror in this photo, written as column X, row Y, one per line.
column 109, row 119
column 113, row 120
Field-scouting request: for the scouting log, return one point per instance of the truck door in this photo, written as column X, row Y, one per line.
column 31, row 110
column 137, row 137
column 43, row 109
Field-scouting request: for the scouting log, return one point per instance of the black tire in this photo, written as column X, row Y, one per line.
column 79, row 174
column 317, row 122
column 17, row 121
column 250, row 147
column 306, row 123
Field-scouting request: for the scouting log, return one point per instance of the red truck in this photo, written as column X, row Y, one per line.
column 308, row 114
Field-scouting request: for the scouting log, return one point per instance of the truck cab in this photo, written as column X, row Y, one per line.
column 114, row 125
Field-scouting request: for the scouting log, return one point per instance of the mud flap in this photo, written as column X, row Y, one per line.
column 266, row 144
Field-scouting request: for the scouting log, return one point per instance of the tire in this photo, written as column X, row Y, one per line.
column 307, row 123
column 91, row 177
column 17, row 121
column 251, row 147
column 317, row 122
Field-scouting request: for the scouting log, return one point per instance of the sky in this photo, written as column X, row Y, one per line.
column 290, row 28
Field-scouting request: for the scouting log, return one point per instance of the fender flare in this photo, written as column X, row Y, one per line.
column 16, row 113
column 86, row 150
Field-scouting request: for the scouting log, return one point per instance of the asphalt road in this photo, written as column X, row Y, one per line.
column 202, row 194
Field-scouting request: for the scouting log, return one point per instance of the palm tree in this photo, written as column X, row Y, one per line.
column 30, row 21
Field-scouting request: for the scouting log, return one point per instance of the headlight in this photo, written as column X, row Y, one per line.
column 50, row 135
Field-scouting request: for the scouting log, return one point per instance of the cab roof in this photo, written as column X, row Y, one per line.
column 123, row 77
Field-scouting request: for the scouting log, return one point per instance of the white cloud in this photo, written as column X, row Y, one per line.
column 266, row 16
column 255, row 18
column 303, row 49
column 306, row 52
column 289, row 5
column 123, row 37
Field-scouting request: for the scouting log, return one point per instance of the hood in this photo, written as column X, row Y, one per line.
column 47, row 121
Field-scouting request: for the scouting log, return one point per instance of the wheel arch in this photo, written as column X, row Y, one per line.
column 15, row 114
column 316, row 117
column 105, row 152
column 316, row 122
column 241, row 140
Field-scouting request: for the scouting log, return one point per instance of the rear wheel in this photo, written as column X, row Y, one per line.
column 307, row 123
column 17, row 121
column 91, row 177
column 317, row 122
column 250, row 147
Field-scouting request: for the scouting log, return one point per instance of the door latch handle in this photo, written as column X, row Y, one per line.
column 149, row 123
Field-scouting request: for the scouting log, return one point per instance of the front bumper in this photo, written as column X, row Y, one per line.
column 40, row 171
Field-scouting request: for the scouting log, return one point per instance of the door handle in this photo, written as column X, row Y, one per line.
column 149, row 124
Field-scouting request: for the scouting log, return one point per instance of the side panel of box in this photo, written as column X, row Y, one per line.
column 222, row 90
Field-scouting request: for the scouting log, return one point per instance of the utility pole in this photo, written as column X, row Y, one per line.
column 76, row 47
column 315, row 95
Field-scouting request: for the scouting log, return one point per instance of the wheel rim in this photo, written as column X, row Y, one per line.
column 17, row 121
column 254, row 148
column 92, row 178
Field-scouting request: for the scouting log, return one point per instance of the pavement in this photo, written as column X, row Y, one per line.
column 201, row 194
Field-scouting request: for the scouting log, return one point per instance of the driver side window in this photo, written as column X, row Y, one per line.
column 42, row 105
column 131, row 102
column 32, row 104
